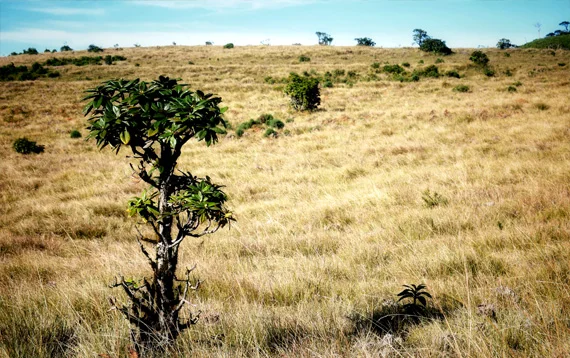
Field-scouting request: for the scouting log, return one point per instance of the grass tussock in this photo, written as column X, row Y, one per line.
column 450, row 178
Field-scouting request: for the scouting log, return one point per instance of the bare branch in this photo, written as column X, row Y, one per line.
column 150, row 260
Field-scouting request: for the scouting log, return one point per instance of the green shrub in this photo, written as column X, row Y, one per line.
column 338, row 73
column 479, row 58
column 435, row 46
column 439, row 60
column 94, row 48
column 507, row 54
column 430, row 71
column 275, row 123
column 397, row 69
column 229, row 45
column 108, row 60
column 517, row 83
column 65, row 48
column 452, row 73
column 511, row 89
column 415, row 77
column 304, row 92
column 304, row 58
column 270, row 132
column 406, row 64
column 488, row 72
column 327, row 84
column 461, row 88
column 22, row 73
column 75, row 134
column 421, row 62
column 508, row 73
column 541, row 106
column 375, row 65
column 25, row 146
column 264, row 118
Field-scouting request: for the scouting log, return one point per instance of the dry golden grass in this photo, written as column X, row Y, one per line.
column 331, row 220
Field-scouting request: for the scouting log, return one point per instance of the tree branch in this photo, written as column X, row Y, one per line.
column 150, row 260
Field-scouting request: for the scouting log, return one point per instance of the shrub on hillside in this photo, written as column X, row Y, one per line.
column 65, row 48
column 452, row 73
column 365, row 41
column 304, row 58
column 304, row 92
column 25, row 146
column 461, row 88
column 395, row 69
column 479, row 58
column 435, row 46
column 229, row 45
column 94, row 48
column 430, row 71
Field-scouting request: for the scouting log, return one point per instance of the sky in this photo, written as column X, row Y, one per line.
column 461, row 23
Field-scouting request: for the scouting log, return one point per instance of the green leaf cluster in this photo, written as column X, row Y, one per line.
column 140, row 115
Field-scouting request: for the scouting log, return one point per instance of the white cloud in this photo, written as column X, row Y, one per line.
column 225, row 4
column 67, row 11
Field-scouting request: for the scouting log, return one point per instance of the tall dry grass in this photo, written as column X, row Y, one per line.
column 331, row 220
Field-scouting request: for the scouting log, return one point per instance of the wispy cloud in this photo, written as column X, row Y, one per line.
column 225, row 4
column 67, row 11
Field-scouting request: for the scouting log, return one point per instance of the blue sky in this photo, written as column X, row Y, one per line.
column 461, row 23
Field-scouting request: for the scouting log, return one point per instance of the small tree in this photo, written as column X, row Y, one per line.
column 324, row 38
column 479, row 58
column 304, row 92
column 565, row 24
column 30, row 51
column 504, row 44
column 94, row 48
column 435, row 46
column 229, row 45
column 65, row 48
column 154, row 120
column 420, row 36
column 364, row 41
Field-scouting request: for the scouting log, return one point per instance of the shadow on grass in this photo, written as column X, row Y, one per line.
column 392, row 318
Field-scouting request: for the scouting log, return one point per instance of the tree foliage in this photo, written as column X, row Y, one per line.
column 324, row 38
column 564, row 24
column 504, row 44
column 435, row 46
column 94, row 48
column 479, row 58
column 154, row 120
column 304, row 92
column 365, row 41
column 420, row 36
column 65, row 48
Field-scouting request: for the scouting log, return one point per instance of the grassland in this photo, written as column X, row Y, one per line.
column 331, row 220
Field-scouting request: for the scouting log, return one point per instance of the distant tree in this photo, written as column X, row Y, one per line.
column 94, row 48
column 209, row 43
column 436, row 46
column 559, row 32
column 565, row 24
column 420, row 36
column 229, row 45
column 65, row 48
column 364, row 41
column 31, row 51
column 504, row 44
column 324, row 38
column 47, row 50
column 550, row 34
column 137, row 45
column 173, row 43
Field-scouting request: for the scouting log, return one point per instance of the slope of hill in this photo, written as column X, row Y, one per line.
column 458, row 183
column 554, row 42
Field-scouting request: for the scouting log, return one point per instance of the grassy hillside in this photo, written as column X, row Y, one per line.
column 333, row 214
column 554, row 42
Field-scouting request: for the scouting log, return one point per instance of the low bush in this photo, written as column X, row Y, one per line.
column 511, row 89
column 439, row 60
column 397, row 69
column 430, row 71
column 435, row 46
column 375, row 65
column 479, row 58
column 75, row 134
column 433, row 199
column 25, row 146
column 304, row 58
column 406, row 64
column 489, row 72
column 461, row 88
column 304, row 92
column 229, row 45
column 22, row 73
column 452, row 73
